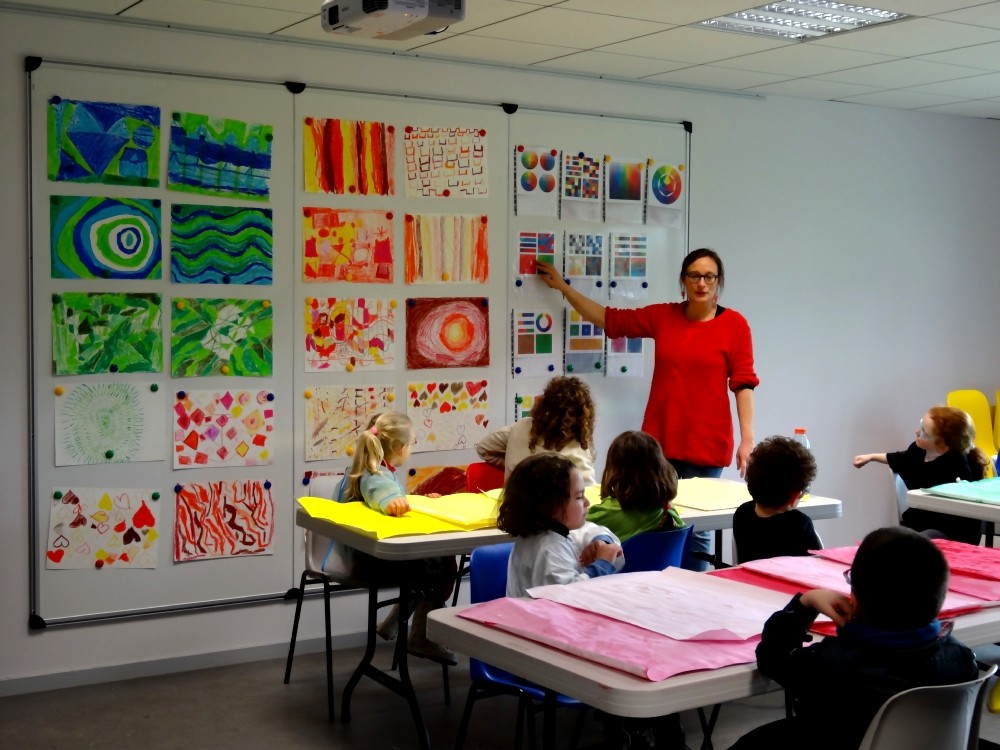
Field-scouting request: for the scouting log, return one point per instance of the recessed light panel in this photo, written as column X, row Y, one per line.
column 802, row 19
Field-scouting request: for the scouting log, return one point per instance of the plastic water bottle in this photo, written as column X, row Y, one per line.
column 801, row 437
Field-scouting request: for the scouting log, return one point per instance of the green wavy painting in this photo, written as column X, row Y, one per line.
column 106, row 332
column 221, row 337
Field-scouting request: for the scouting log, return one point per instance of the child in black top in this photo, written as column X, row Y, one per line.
column 779, row 472
column 888, row 640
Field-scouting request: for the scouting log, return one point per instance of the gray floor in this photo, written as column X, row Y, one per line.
column 247, row 707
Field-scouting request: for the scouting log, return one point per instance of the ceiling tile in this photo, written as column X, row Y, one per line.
column 981, row 15
column 900, row 74
column 811, row 88
column 87, row 6
column 485, row 49
column 925, row 7
column 568, row 28
column 976, row 87
column 674, row 12
column 907, row 99
column 213, row 15
column 803, row 59
column 907, row 38
column 979, row 108
column 985, row 56
column 606, row 64
column 310, row 7
column 717, row 78
column 692, row 45
column 481, row 14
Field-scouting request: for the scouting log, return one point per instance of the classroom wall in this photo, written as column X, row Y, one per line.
column 859, row 243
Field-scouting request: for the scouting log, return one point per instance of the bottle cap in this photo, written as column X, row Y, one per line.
column 800, row 430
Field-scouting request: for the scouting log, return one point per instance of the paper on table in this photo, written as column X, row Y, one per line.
column 470, row 510
column 674, row 602
column 592, row 493
column 609, row 642
column 982, row 491
column 360, row 516
column 710, row 494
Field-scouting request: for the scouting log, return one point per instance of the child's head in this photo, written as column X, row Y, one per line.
column 899, row 579
column 946, row 428
column 779, row 471
column 636, row 474
column 388, row 438
column 542, row 488
column 563, row 413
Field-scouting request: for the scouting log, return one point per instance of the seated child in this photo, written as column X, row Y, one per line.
column 561, row 421
column 545, row 509
column 636, row 488
column 379, row 449
column 888, row 640
column 943, row 452
column 778, row 473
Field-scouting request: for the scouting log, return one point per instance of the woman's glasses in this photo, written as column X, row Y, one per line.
column 708, row 278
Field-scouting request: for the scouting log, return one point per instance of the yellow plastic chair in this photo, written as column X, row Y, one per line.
column 975, row 404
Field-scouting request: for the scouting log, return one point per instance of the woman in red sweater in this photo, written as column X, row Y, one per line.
column 703, row 351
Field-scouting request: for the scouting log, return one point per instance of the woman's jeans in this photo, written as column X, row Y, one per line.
column 700, row 542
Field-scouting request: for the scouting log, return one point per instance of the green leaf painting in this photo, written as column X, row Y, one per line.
column 221, row 337
column 106, row 332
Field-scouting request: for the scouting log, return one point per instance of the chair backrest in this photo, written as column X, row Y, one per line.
column 488, row 572
column 322, row 555
column 482, row 476
column 899, row 487
column 655, row 550
column 996, row 421
column 938, row 716
column 975, row 404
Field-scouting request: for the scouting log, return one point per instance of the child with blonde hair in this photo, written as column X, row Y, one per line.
column 372, row 479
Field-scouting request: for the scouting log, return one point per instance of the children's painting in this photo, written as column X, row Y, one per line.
column 223, row 428
column 221, row 245
column 532, row 246
column 625, row 358
column 106, row 333
column 628, row 265
column 446, row 248
column 623, row 198
column 344, row 333
column 223, row 519
column 537, row 342
column 219, row 156
column 347, row 245
column 448, row 415
column 584, row 346
column 445, row 162
column 584, row 263
column 581, row 192
column 108, row 423
column 536, row 181
column 104, row 238
column 221, row 337
column 336, row 415
column 103, row 528
column 103, row 142
column 349, row 157
column 665, row 195
column 523, row 404
column 447, row 332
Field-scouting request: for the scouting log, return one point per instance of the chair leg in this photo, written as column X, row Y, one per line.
column 295, row 627
column 463, row 568
column 331, row 711
column 574, row 740
column 446, row 683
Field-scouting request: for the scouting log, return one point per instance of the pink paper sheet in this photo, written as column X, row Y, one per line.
column 611, row 643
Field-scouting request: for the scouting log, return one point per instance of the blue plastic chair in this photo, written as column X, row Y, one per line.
column 488, row 581
column 655, row 550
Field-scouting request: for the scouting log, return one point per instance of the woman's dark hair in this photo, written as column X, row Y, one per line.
column 703, row 252
column 534, row 493
column 899, row 579
column 636, row 474
column 563, row 413
column 778, row 469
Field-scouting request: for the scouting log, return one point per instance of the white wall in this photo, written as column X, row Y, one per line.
column 859, row 243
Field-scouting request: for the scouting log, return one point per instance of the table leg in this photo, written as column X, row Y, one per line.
column 549, row 720
column 366, row 659
column 708, row 726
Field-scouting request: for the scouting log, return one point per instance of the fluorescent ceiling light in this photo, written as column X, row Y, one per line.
column 801, row 19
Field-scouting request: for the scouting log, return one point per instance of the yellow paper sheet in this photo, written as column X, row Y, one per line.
column 710, row 494
column 360, row 516
column 470, row 510
column 592, row 493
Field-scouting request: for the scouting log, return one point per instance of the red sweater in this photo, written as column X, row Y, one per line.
column 695, row 362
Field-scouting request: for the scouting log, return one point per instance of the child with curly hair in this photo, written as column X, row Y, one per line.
column 943, row 452
column 561, row 421
column 545, row 509
column 636, row 488
column 778, row 473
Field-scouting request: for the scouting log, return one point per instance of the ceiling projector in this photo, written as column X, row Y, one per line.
column 389, row 19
